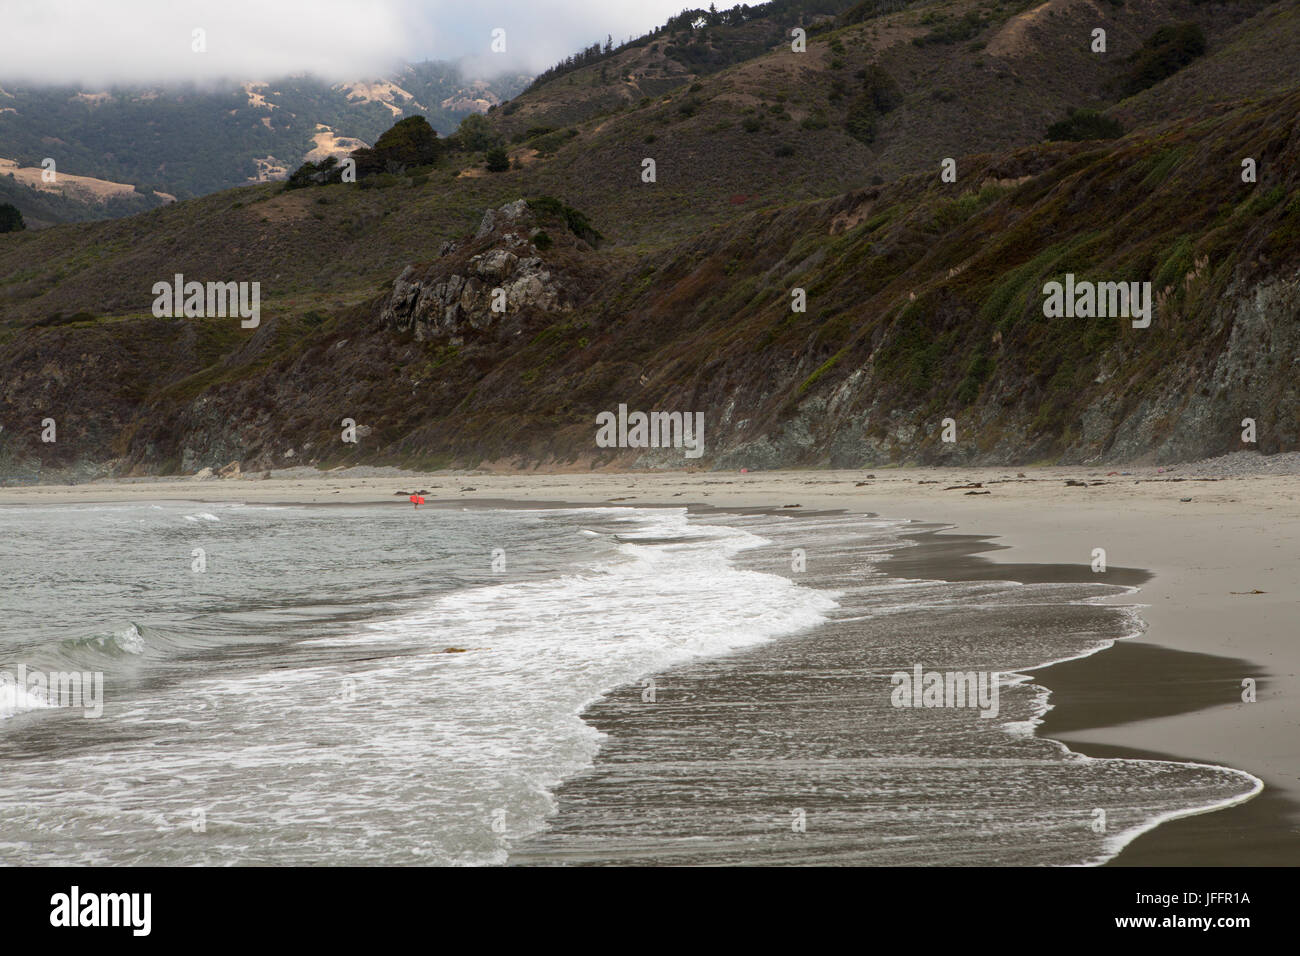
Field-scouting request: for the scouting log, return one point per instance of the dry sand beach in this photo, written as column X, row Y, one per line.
column 1221, row 540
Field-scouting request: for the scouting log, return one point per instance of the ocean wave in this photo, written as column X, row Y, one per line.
column 125, row 641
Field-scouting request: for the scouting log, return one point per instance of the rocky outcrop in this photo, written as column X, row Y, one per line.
column 467, row 290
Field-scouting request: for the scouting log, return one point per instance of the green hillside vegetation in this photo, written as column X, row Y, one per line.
column 1085, row 124
column 775, row 172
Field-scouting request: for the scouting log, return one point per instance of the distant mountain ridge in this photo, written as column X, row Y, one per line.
column 190, row 141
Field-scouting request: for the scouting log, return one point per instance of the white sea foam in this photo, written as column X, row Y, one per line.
column 538, row 652
column 16, row 700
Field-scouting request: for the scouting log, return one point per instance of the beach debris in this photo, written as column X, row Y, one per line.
column 469, row 489
column 453, row 650
column 859, row 484
column 1255, row 591
column 1184, row 499
column 979, row 492
column 792, row 506
column 1072, row 483
column 976, row 484
column 744, row 471
column 1020, row 474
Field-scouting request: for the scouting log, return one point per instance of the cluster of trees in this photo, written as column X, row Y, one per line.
column 408, row 144
column 592, row 54
column 11, row 220
column 475, row 135
column 783, row 14
column 1163, row 54
column 880, row 94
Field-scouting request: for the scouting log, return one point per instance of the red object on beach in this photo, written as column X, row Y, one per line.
column 417, row 500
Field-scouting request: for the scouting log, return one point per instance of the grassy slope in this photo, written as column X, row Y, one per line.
column 336, row 240
column 703, row 261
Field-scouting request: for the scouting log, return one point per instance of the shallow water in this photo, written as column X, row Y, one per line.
column 297, row 697
column 359, row 685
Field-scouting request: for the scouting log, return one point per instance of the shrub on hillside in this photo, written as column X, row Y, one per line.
column 474, row 135
column 550, row 142
column 882, row 88
column 11, row 220
column 498, row 160
column 1163, row 54
column 954, row 32
column 1085, row 124
column 548, row 207
column 861, row 121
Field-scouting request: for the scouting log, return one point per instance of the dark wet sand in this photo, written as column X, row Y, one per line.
column 1133, row 681
column 1127, row 682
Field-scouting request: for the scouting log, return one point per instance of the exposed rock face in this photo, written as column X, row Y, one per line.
column 506, row 215
column 458, row 295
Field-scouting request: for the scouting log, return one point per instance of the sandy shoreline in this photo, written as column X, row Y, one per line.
column 1208, row 556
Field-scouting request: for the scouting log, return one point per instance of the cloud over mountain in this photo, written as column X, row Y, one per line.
column 89, row 43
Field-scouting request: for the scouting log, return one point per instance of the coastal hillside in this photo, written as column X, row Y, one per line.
column 838, row 258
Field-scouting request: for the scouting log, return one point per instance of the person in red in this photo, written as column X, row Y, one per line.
column 417, row 500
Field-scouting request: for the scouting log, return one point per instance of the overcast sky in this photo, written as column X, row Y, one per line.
column 98, row 42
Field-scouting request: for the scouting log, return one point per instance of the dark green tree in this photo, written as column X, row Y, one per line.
column 1163, row 54
column 498, row 160
column 327, row 170
column 410, row 142
column 474, row 135
column 11, row 220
